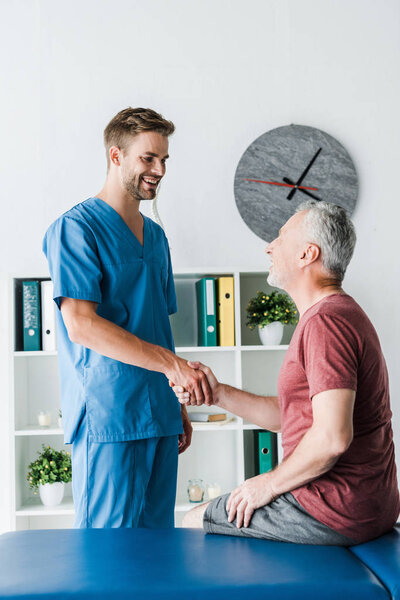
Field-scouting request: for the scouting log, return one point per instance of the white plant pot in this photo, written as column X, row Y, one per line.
column 51, row 494
column 271, row 335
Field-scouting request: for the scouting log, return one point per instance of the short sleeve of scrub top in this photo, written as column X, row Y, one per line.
column 73, row 261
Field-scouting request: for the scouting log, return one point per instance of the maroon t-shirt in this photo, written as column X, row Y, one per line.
column 336, row 346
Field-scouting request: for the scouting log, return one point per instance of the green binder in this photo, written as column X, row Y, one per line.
column 266, row 447
column 206, row 312
column 31, row 315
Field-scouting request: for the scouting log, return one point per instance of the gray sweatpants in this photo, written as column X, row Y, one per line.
column 283, row 520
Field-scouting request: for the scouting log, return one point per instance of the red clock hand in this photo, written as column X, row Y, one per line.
column 299, row 187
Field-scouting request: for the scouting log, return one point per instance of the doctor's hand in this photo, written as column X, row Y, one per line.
column 185, row 438
column 185, row 397
column 192, row 381
column 249, row 496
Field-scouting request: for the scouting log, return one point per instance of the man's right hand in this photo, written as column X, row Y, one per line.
column 192, row 383
column 185, row 396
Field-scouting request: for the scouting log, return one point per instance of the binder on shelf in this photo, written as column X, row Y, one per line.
column 226, row 312
column 31, row 315
column 49, row 343
column 266, row 451
column 206, row 312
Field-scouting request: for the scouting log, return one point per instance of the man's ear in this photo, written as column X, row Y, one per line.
column 310, row 254
column 115, row 155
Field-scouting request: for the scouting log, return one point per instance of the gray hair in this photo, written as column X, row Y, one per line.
column 332, row 230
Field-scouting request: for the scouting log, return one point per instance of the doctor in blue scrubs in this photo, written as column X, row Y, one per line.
column 113, row 284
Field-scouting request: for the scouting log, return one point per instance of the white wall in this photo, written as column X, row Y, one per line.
column 224, row 72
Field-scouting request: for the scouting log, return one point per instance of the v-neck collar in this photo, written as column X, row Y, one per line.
column 125, row 229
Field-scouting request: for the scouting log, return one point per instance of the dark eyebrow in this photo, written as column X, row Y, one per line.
column 155, row 155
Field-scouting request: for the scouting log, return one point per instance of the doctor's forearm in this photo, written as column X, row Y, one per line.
column 108, row 339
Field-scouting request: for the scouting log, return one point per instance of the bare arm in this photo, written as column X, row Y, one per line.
column 321, row 446
column 260, row 410
column 86, row 327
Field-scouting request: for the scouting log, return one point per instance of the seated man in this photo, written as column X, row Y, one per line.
column 337, row 483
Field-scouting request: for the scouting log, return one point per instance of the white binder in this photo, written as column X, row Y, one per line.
column 49, row 342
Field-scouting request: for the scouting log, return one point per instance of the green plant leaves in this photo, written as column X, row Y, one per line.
column 51, row 466
column 267, row 308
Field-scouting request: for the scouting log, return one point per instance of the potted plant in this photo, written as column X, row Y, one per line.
column 49, row 473
column 270, row 312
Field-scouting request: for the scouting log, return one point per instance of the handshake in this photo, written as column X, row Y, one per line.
column 193, row 383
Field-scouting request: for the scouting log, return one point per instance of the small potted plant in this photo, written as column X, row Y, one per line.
column 270, row 312
column 49, row 473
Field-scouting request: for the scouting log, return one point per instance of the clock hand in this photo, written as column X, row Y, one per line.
column 291, row 185
column 303, row 189
column 308, row 167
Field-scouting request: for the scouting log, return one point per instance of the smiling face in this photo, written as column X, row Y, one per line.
column 286, row 252
column 143, row 164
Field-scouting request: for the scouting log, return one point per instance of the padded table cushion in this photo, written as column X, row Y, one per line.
column 383, row 557
column 175, row 563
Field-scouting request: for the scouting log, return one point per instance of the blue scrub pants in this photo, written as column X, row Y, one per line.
column 124, row 484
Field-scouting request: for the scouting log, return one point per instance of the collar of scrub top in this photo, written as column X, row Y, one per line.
column 125, row 229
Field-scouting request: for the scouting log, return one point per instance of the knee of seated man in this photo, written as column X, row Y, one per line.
column 194, row 518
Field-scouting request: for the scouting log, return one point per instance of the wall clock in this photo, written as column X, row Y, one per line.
column 286, row 166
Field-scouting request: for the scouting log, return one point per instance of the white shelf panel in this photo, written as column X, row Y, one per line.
column 35, row 430
column 34, row 508
column 182, row 506
column 26, row 353
column 191, row 349
column 179, row 349
column 247, row 426
column 232, row 424
column 258, row 348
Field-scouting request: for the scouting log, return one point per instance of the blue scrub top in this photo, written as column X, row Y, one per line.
column 93, row 255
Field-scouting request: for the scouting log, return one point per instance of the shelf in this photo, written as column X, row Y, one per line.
column 183, row 506
column 178, row 349
column 181, row 349
column 246, row 426
column 35, row 430
column 25, row 353
column 34, row 508
column 260, row 347
column 231, row 424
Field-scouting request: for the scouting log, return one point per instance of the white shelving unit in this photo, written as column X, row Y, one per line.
column 217, row 450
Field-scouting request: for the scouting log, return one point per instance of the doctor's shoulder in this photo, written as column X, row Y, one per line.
column 74, row 220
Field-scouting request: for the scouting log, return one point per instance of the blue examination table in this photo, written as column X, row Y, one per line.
column 186, row 564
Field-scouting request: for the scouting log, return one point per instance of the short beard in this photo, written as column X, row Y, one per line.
column 274, row 281
column 136, row 192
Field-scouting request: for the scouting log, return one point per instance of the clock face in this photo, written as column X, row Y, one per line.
column 286, row 166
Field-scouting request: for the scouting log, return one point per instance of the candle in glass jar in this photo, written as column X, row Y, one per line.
column 44, row 419
column 213, row 490
column 195, row 490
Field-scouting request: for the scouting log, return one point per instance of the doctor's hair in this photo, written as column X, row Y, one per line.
column 130, row 122
column 330, row 228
